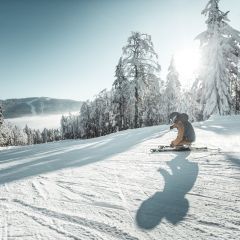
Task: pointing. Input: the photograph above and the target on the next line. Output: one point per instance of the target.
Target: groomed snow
(112, 188)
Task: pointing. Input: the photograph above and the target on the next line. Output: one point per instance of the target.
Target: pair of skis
(163, 148)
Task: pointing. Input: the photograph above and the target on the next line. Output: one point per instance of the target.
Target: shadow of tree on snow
(33, 160)
(234, 158)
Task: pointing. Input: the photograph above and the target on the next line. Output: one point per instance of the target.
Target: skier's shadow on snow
(171, 203)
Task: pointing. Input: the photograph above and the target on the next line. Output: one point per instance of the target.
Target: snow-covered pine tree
(29, 133)
(172, 94)
(153, 113)
(70, 128)
(236, 90)
(19, 136)
(220, 51)
(85, 120)
(107, 123)
(97, 113)
(140, 63)
(101, 112)
(6, 136)
(121, 87)
(37, 137)
(153, 100)
(57, 135)
(63, 123)
(50, 134)
(1, 115)
(45, 135)
(189, 105)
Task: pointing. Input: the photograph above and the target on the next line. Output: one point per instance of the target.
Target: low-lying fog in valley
(39, 122)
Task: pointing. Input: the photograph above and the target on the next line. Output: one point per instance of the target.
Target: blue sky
(69, 48)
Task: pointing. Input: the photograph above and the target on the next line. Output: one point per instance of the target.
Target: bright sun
(187, 62)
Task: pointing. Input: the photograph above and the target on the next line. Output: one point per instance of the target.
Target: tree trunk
(136, 122)
(121, 116)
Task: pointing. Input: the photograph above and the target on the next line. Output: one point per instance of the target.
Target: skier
(186, 133)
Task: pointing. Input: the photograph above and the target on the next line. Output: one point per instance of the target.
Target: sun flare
(187, 62)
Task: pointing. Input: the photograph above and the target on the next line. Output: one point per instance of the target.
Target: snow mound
(220, 132)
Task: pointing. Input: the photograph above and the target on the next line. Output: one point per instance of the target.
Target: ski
(164, 148)
(169, 149)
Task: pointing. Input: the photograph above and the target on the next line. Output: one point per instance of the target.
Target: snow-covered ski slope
(112, 188)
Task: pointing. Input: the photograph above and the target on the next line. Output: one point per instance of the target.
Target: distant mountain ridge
(38, 106)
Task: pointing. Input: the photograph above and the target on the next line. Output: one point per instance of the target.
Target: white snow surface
(112, 187)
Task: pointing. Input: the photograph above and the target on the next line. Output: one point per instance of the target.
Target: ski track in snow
(112, 187)
(33, 109)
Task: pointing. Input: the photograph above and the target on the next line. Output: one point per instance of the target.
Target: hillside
(112, 187)
(14, 108)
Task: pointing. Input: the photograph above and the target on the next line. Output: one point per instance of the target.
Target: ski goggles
(172, 120)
